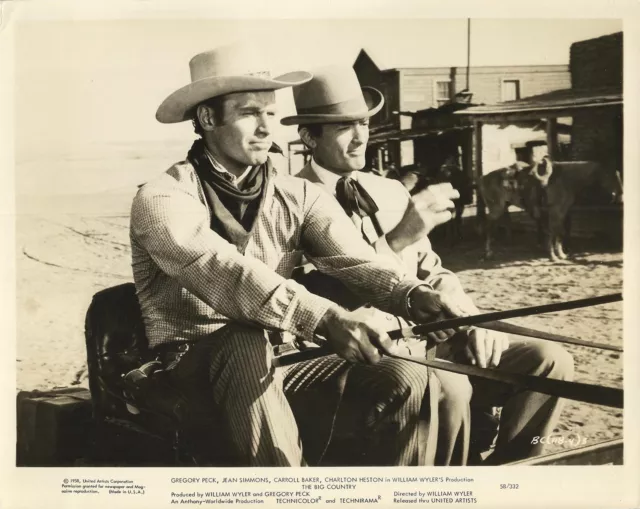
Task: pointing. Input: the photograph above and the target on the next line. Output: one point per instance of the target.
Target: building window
(510, 90)
(441, 92)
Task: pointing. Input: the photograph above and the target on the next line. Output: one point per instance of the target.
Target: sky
(86, 83)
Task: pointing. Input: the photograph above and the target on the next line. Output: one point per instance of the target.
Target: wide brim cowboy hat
(334, 95)
(225, 70)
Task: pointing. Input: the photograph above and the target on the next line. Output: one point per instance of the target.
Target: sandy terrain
(65, 256)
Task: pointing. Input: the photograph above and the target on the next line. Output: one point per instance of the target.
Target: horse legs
(508, 227)
(488, 234)
(558, 248)
(556, 229)
(567, 231)
(492, 219)
(542, 224)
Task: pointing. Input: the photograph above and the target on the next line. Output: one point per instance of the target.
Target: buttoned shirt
(236, 181)
(191, 282)
(329, 181)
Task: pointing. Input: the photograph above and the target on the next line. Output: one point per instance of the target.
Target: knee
(401, 382)
(552, 361)
(409, 379)
(399, 390)
(456, 391)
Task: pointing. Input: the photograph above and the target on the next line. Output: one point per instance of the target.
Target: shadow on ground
(467, 251)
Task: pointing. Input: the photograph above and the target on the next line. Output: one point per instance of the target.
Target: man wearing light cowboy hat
(333, 113)
(214, 240)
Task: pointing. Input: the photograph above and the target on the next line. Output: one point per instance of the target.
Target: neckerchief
(234, 210)
(354, 199)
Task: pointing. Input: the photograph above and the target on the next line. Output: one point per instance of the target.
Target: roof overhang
(559, 103)
(411, 134)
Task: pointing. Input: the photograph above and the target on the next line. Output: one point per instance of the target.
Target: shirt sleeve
(335, 247)
(383, 248)
(430, 269)
(173, 228)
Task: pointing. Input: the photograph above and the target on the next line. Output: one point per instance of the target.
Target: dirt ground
(64, 257)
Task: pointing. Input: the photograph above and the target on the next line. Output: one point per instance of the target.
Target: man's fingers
(372, 344)
(452, 308)
(442, 217)
(438, 206)
(500, 344)
(450, 332)
(444, 190)
(433, 336)
(433, 206)
(495, 346)
(505, 341)
(441, 336)
(351, 355)
(381, 341)
(478, 347)
(371, 355)
(470, 356)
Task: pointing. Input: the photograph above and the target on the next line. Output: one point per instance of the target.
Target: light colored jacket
(419, 259)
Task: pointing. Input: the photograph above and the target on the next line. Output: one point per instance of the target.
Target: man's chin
(357, 163)
(258, 158)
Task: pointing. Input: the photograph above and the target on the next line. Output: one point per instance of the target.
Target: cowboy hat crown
(333, 95)
(224, 70)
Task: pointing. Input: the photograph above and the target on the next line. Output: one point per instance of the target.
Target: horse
(547, 191)
(570, 180)
(502, 188)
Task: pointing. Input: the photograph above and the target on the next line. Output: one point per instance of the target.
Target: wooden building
(412, 93)
(594, 105)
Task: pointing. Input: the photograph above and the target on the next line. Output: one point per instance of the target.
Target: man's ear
(307, 138)
(206, 117)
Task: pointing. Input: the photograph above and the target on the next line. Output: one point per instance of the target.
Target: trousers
(525, 415)
(232, 371)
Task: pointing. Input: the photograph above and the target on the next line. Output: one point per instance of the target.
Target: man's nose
(360, 134)
(264, 124)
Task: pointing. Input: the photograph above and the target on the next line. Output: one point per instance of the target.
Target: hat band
(355, 105)
(260, 74)
(201, 74)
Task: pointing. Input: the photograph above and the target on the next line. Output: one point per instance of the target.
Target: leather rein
(588, 393)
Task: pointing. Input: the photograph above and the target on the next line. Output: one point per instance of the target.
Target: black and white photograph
(388, 249)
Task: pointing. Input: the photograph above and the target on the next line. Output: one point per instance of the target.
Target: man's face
(245, 136)
(341, 147)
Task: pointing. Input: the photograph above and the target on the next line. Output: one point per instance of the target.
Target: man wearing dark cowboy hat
(214, 241)
(332, 114)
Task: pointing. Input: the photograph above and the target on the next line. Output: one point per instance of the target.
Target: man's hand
(485, 347)
(351, 338)
(426, 210)
(429, 305)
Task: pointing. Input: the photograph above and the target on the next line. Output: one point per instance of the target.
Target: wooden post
(552, 138)
(477, 135)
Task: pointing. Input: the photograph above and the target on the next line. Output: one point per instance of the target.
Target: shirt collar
(328, 178)
(221, 169)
